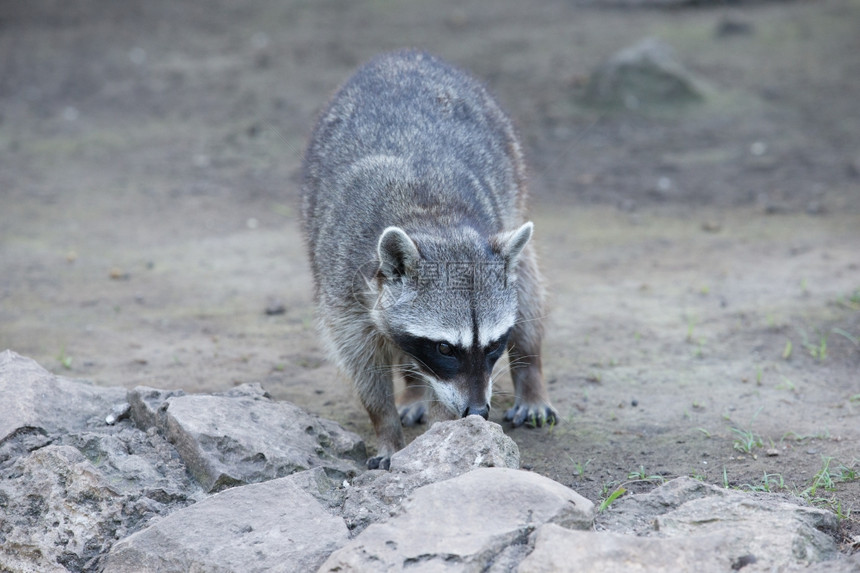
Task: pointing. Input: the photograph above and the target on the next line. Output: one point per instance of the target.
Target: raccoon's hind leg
(412, 404)
(532, 406)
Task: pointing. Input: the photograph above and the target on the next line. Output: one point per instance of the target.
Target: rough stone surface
(70, 484)
(464, 523)
(453, 447)
(773, 530)
(58, 512)
(446, 450)
(245, 437)
(560, 549)
(646, 74)
(271, 526)
(35, 403)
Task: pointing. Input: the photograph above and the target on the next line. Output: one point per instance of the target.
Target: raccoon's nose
(482, 411)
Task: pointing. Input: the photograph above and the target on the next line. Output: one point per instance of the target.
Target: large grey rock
(453, 447)
(70, 484)
(560, 549)
(35, 403)
(646, 74)
(683, 514)
(464, 523)
(446, 450)
(271, 526)
(56, 512)
(245, 437)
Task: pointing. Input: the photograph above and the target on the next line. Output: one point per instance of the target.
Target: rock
(446, 450)
(560, 549)
(271, 526)
(646, 74)
(89, 482)
(57, 512)
(117, 413)
(70, 484)
(774, 530)
(453, 447)
(465, 523)
(35, 402)
(137, 464)
(245, 437)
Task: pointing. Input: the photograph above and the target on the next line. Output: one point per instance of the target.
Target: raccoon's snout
(482, 411)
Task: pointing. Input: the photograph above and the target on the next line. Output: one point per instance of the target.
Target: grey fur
(414, 217)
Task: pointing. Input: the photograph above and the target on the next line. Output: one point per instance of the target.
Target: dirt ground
(703, 263)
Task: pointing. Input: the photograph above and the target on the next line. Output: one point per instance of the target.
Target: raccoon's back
(405, 132)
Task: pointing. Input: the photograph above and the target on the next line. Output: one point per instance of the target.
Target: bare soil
(703, 262)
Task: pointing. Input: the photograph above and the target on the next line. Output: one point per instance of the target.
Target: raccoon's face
(450, 305)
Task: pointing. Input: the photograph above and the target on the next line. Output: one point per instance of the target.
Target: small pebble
(275, 307)
(117, 413)
(118, 274)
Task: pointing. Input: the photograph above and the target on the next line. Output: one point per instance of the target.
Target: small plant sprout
(786, 353)
(847, 336)
(691, 324)
(769, 483)
(705, 432)
(746, 440)
(817, 351)
(64, 359)
(822, 479)
(610, 499)
(642, 475)
(786, 384)
(579, 467)
(848, 473)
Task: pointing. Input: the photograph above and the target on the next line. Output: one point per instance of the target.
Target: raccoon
(413, 208)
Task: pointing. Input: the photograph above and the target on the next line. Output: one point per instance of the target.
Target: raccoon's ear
(510, 244)
(398, 255)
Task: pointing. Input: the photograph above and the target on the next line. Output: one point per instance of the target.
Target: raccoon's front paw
(379, 463)
(532, 415)
(412, 414)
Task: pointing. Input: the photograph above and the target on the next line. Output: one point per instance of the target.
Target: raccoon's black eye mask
(446, 360)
